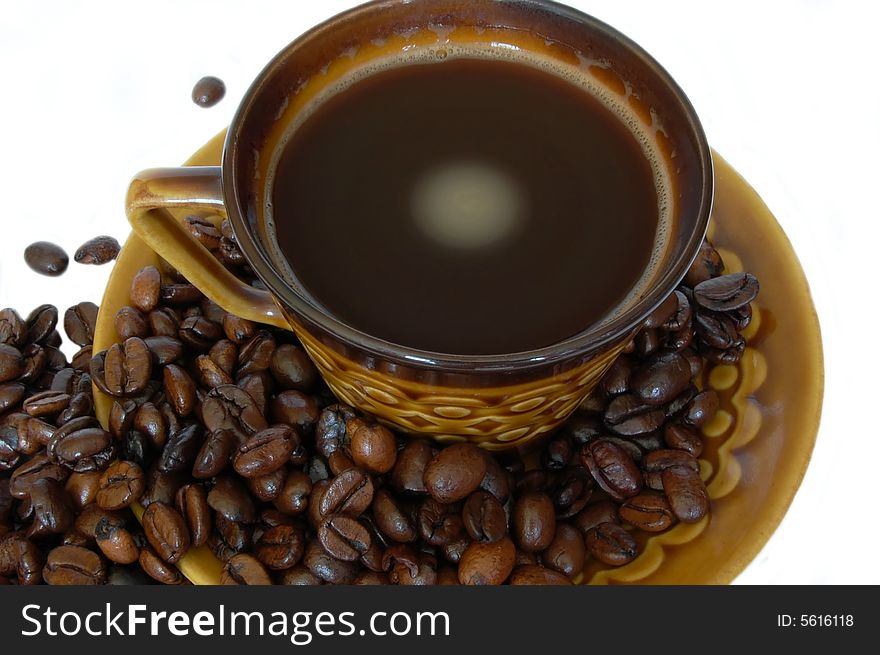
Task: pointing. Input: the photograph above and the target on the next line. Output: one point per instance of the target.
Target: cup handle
(155, 190)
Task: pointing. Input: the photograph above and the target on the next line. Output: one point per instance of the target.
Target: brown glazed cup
(496, 401)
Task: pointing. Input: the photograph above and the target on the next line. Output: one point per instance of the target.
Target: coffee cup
(494, 399)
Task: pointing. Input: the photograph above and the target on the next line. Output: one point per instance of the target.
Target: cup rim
(591, 339)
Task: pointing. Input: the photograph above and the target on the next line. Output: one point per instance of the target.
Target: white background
(90, 93)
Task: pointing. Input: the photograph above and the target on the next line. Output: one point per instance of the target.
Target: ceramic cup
(496, 401)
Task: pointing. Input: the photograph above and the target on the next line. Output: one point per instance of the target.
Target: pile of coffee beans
(224, 432)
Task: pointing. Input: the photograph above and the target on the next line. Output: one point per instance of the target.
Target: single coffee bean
(238, 330)
(533, 574)
(391, 519)
(36, 468)
(267, 487)
(46, 403)
(199, 333)
(120, 485)
(567, 552)
(9, 448)
(41, 324)
(727, 292)
(295, 408)
(224, 354)
(150, 420)
(374, 448)
(454, 473)
(344, 537)
(408, 473)
(79, 446)
(572, 491)
(683, 438)
(11, 362)
(611, 544)
(180, 452)
(717, 331)
(439, 523)
(82, 488)
(204, 231)
(11, 394)
(292, 368)
(117, 544)
(256, 354)
(661, 378)
(708, 264)
(497, 481)
(266, 451)
(244, 569)
(80, 405)
(51, 509)
(534, 521)
(454, 550)
(300, 576)
(228, 406)
(160, 486)
(209, 373)
(647, 511)
(179, 389)
(665, 310)
(686, 493)
(326, 567)
(97, 251)
(166, 531)
(214, 454)
(487, 563)
(192, 503)
(230, 498)
(646, 342)
(484, 518)
(612, 468)
(293, 498)
(163, 322)
(701, 409)
(127, 367)
(208, 91)
(86, 524)
(557, 453)
(158, 569)
(74, 565)
(405, 566)
(281, 547)
(79, 323)
(350, 492)
(235, 537)
(13, 329)
(46, 258)
(145, 288)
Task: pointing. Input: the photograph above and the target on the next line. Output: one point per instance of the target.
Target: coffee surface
(469, 206)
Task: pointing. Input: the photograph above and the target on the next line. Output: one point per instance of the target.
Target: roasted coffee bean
(13, 329)
(391, 519)
(80, 405)
(267, 487)
(81, 447)
(742, 317)
(454, 550)
(238, 330)
(281, 547)
(126, 368)
(9, 448)
(86, 524)
(266, 451)
(656, 461)
(727, 292)
(487, 563)
(46, 403)
(82, 488)
(681, 437)
(439, 523)
(701, 409)
(97, 251)
(730, 355)
(210, 375)
(611, 544)
(533, 574)
(166, 531)
(534, 521)
(661, 378)
(79, 323)
(230, 498)
(567, 552)
(178, 295)
(295, 408)
(454, 473)
(716, 331)
(497, 481)
(612, 468)
(708, 264)
(244, 569)
(11, 394)
(405, 566)
(237, 537)
(293, 499)
(136, 447)
(299, 575)
(648, 511)
(292, 368)
(164, 349)
(344, 537)
(628, 415)
(55, 360)
(11, 362)
(41, 324)
(35, 363)
(484, 518)
(207, 92)
(152, 422)
(230, 253)
(326, 567)
(256, 354)
(38, 467)
(204, 231)
(179, 389)
(228, 406)
(81, 361)
(681, 317)
(224, 354)
(46, 258)
(117, 544)
(145, 288)
(350, 492)
(129, 322)
(331, 431)
(557, 453)
(159, 570)
(161, 486)
(408, 473)
(572, 491)
(51, 509)
(73, 565)
(192, 503)
(120, 485)
(374, 448)
(215, 453)
(686, 493)
(163, 322)
(664, 311)
(180, 451)
(646, 342)
(199, 333)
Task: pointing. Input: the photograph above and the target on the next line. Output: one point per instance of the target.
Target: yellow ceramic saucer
(757, 448)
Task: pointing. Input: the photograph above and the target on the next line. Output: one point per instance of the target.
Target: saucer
(756, 448)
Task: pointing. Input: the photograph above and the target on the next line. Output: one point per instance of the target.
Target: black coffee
(469, 206)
